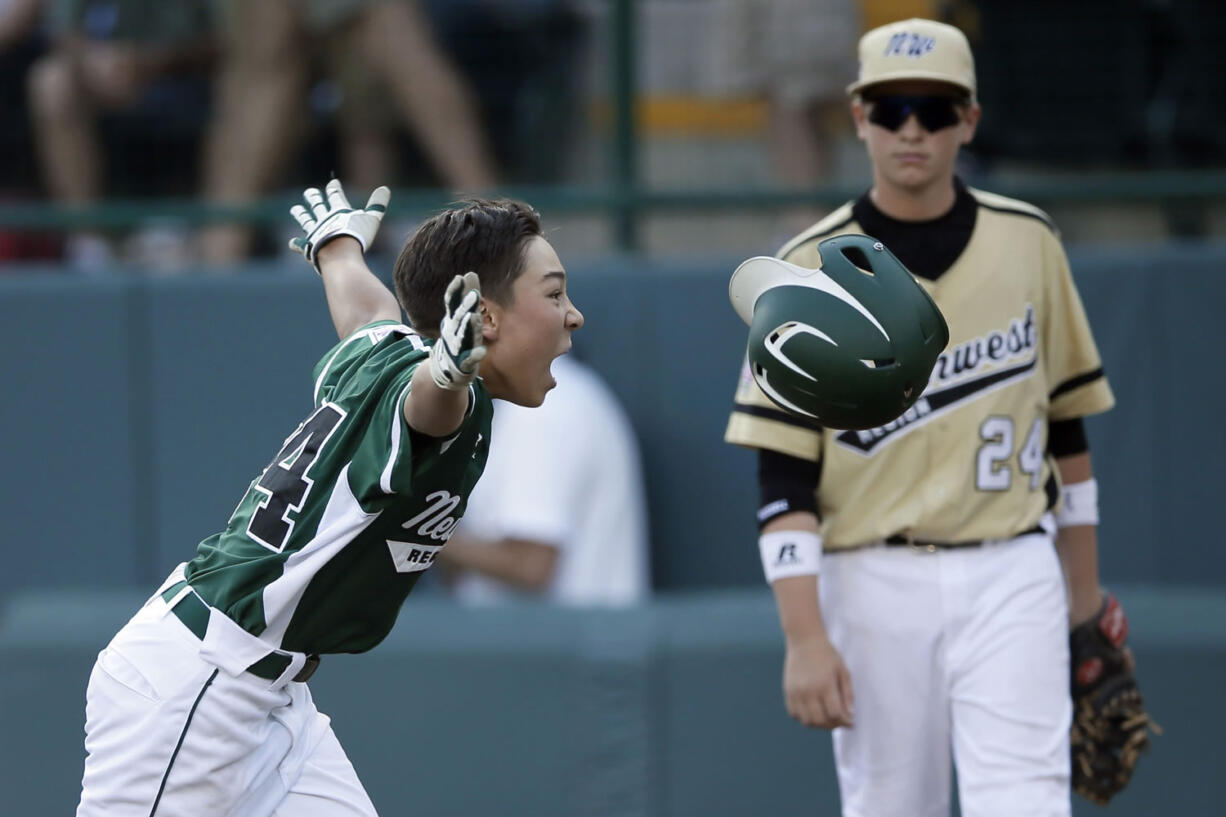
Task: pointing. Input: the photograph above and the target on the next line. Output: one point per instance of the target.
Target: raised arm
(337, 236)
(355, 296)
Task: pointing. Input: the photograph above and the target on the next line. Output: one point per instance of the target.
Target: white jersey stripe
(385, 478)
(343, 519)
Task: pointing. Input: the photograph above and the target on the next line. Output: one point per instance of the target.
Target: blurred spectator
(261, 108)
(525, 62)
(560, 512)
(21, 43)
(17, 20)
(799, 55)
(109, 56)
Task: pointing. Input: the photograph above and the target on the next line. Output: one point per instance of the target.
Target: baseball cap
(915, 49)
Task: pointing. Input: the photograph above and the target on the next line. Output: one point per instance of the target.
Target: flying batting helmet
(851, 344)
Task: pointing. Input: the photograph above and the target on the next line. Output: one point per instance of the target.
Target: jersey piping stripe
(996, 208)
(1076, 382)
(324, 372)
(182, 735)
(805, 238)
(779, 416)
(385, 479)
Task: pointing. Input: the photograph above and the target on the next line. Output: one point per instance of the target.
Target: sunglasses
(933, 112)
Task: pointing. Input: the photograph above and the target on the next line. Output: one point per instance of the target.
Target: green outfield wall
(137, 409)
(672, 709)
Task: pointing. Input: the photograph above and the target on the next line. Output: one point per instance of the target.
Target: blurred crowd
(229, 102)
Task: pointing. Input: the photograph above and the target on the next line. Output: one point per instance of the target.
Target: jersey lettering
(285, 483)
(412, 557)
(436, 521)
(962, 374)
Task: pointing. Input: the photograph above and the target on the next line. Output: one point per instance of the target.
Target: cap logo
(907, 44)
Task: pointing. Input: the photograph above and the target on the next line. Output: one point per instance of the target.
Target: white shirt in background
(565, 474)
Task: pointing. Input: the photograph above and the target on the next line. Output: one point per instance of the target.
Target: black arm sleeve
(1066, 438)
(786, 484)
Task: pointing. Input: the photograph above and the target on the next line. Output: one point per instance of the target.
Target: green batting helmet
(851, 344)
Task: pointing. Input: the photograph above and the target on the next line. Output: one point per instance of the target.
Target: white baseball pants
(959, 650)
(170, 735)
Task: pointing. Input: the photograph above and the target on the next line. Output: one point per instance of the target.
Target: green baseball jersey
(969, 460)
(328, 541)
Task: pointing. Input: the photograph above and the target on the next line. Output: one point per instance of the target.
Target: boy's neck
(923, 204)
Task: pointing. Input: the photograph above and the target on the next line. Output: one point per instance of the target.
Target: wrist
(1078, 504)
(338, 248)
(810, 638)
(788, 553)
(1084, 605)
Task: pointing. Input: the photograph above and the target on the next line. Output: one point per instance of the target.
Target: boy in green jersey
(199, 705)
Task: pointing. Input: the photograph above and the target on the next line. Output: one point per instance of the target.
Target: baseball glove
(1110, 725)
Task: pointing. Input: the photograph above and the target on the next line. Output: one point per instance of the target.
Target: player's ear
(859, 117)
(491, 319)
(970, 121)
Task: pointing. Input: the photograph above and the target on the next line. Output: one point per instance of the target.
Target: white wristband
(1078, 504)
(790, 553)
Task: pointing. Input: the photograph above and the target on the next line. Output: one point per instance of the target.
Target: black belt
(931, 546)
(194, 614)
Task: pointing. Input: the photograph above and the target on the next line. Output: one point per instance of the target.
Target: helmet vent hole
(780, 331)
(856, 256)
(880, 363)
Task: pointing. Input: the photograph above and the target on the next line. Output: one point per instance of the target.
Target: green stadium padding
(140, 407)
(672, 709)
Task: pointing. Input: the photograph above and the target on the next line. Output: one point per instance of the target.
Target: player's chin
(912, 173)
(533, 395)
(548, 384)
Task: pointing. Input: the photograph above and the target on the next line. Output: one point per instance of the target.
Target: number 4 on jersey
(285, 483)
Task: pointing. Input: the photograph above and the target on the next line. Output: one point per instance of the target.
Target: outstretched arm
(355, 296)
(337, 235)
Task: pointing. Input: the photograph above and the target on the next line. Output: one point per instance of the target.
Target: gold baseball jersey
(969, 460)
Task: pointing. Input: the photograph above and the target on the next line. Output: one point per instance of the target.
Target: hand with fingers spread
(324, 220)
(460, 348)
(817, 685)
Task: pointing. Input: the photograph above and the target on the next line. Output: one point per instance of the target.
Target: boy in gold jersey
(937, 622)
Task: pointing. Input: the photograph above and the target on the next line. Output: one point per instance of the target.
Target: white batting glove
(324, 221)
(460, 347)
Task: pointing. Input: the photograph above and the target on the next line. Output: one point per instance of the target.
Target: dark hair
(480, 235)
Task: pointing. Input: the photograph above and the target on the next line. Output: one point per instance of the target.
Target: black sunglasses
(933, 112)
